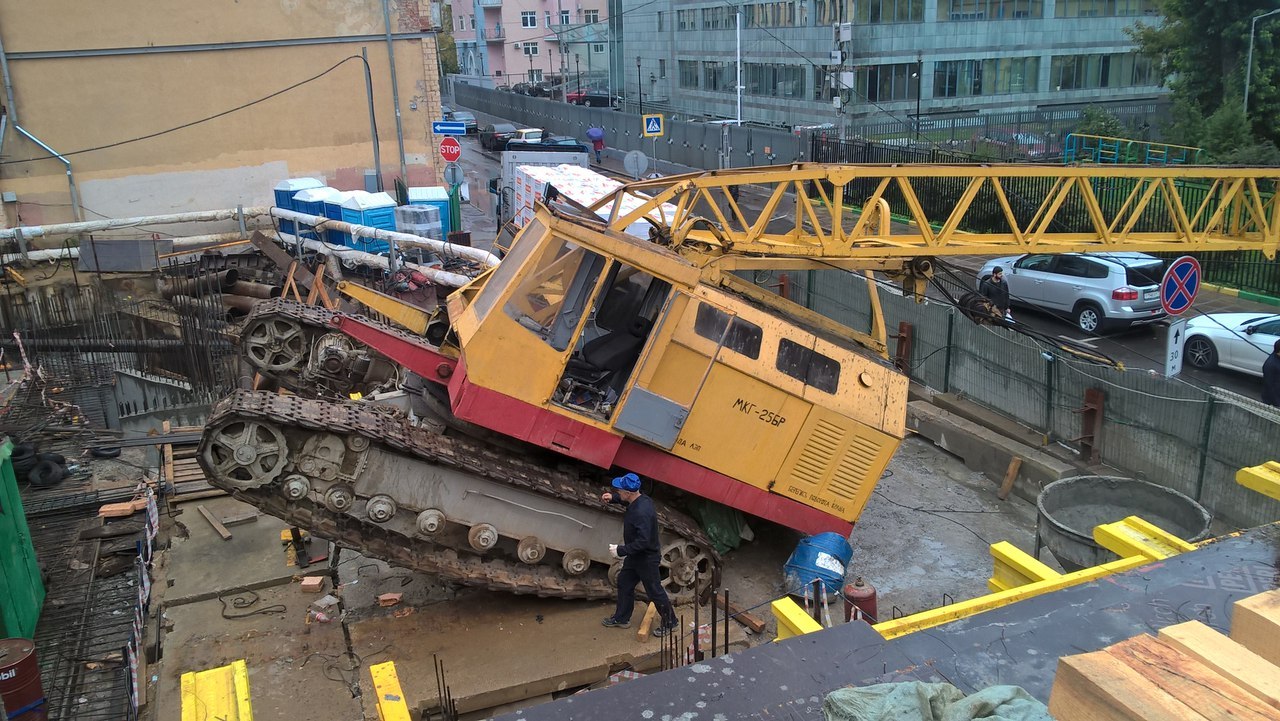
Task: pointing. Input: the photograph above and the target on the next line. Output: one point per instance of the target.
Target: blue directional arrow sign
(448, 127)
(653, 126)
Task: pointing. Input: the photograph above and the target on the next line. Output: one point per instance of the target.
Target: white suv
(1097, 291)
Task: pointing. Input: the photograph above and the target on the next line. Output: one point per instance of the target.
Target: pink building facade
(530, 40)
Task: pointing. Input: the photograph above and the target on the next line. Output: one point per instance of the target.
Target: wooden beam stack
(1189, 673)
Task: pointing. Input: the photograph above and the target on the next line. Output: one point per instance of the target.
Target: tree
(448, 47)
(1200, 49)
(1100, 121)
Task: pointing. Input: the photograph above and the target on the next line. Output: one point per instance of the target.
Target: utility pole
(373, 125)
(1248, 66)
(919, 79)
(639, 86)
(737, 15)
(395, 93)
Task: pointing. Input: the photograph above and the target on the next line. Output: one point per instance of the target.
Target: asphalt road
(1138, 347)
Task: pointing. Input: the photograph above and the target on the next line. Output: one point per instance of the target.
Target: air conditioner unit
(519, 46)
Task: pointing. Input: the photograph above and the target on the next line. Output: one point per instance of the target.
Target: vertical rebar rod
(697, 647)
(726, 620)
(713, 624)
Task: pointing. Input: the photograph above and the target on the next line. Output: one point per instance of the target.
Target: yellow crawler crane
(651, 355)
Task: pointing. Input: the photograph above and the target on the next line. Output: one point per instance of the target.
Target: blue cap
(629, 482)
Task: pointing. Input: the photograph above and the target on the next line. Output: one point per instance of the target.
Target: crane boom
(1010, 208)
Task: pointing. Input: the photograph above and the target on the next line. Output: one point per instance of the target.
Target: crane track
(397, 434)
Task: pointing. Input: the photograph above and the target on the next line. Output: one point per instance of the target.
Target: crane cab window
(738, 335)
(807, 365)
(551, 300)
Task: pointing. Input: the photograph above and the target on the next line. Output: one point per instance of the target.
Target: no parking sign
(1180, 284)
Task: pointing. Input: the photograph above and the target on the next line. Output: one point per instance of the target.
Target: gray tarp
(919, 701)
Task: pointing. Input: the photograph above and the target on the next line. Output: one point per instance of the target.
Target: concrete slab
(296, 670)
(500, 649)
(985, 450)
(202, 565)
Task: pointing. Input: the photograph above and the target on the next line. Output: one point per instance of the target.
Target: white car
(1239, 341)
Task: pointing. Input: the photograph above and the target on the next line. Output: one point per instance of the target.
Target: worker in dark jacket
(996, 289)
(640, 553)
(1271, 378)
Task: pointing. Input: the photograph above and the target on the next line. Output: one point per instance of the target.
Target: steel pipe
(95, 226)
(483, 257)
(199, 285)
(254, 290)
(243, 304)
(351, 258)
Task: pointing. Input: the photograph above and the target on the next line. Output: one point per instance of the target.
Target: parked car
(594, 99)
(495, 137)
(561, 140)
(521, 88)
(1029, 145)
(575, 97)
(1239, 341)
(1096, 291)
(467, 119)
(446, 112)
(526, 135)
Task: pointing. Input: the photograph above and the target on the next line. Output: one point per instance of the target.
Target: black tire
(55, 457)
(1200, 352)
(22, 452)
(112, 452)
(46, 474)
(1089, 318)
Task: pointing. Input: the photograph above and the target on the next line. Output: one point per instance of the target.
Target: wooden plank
(650, 613)
(290, 284)
(213, 521)
(314, 295)
(238, 518)
(1098, 687)
(166, 453)
(1010, 475)
(740, 615)
(198, 495)
(279, 256)
(1211, 694)
(1255, 624)
(1244, 667)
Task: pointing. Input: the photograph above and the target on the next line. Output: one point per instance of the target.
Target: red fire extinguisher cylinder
(860, 595)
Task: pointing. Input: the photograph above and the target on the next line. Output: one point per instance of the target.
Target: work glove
(613, 550)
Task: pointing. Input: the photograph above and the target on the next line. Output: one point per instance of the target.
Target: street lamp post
(529, 55)
(577, 71)
(919, 79)
(1248, 65)
(639, 86)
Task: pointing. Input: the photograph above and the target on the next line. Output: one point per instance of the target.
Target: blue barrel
(822, 557)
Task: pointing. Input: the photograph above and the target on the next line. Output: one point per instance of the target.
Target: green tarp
(919, 701)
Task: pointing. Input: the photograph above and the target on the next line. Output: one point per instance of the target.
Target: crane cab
(618, 351)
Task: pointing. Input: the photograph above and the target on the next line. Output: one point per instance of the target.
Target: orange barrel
(862, 596)
(19, 677)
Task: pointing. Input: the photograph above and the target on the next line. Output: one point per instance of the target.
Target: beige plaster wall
(319, 129)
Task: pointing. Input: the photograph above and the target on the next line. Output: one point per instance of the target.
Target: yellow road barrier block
(386, 684)
(1264, 479)
(1136, 537)
(1012, 567)
(792, 620)
(220, 693)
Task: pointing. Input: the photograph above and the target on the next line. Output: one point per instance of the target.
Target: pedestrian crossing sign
(653, 126)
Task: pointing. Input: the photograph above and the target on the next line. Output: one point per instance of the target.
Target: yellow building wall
(319, 129)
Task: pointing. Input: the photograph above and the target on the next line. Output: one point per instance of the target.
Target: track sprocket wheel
(687, 571)
(274, 344)
(246, 454)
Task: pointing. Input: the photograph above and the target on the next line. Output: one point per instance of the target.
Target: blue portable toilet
(333, 211)
(376, 210)
(311, 202)
(433, 195)
(285, 190)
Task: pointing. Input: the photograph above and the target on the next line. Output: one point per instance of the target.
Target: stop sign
(450, 150)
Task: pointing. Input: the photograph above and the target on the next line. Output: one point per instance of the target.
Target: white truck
(549, 156)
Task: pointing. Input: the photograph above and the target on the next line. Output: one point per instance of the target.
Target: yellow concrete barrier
(792, 620)
(219, 693)
(1264, 479)
(386, 684)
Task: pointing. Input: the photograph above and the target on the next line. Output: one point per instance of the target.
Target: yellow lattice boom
(1035, 208)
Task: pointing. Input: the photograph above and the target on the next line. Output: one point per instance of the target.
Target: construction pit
(221, 601)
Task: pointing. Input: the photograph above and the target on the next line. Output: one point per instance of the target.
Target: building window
(686, 20)
(659, 21)
(771, 80)
(535, 75)
(830, 12)
(548, 18)
(807, 365)
(662, 68)
(715, 76)
(770, 15)
(473, 22)
(715, 18)
(875, 12)
(529, 20)
(995, 76)
(1117, 70)
(530, 48)
(564, 17)
(879, 83)
(497, 73)
(590, 17)
(688, 73)
(1104, 8)
(990, 9)
(597, 47)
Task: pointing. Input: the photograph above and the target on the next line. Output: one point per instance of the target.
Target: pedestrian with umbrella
(596, 136)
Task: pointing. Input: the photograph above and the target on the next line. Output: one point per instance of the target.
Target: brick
(312, 584)
(389, 599)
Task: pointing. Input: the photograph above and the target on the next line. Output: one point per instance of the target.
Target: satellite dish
(636, 162)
